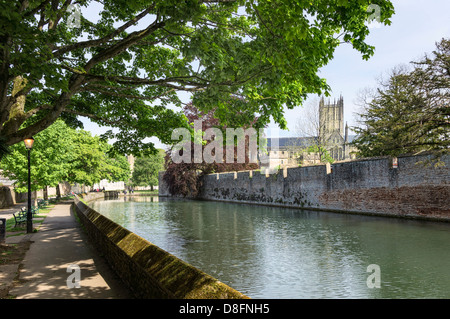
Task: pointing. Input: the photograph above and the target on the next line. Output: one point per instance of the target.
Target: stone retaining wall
(405, 187)
(149, 271)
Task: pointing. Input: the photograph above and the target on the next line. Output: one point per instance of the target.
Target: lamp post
(28, 145)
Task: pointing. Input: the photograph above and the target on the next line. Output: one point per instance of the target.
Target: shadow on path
(60, 243)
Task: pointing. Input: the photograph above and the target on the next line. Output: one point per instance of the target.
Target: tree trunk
(45, 192)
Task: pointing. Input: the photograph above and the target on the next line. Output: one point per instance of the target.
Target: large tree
(50, 159)
(146, 169)
(210, 149)
(91, 162)
(410, 111)
(125, 68)
(63, 154)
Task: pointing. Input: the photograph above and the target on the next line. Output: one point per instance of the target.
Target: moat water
(281, 253)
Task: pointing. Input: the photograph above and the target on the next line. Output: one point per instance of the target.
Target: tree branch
(123, 44)
(92, 43)
(264, 23)
(92, 116)
(37, 9)
(129, 96)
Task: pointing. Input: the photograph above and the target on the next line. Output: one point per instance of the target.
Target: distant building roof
(296, 141)
(290, 141)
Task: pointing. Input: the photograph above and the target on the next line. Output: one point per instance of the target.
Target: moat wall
(149, 271)
(371, 186)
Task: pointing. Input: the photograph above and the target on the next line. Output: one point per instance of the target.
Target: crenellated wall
(370, 186)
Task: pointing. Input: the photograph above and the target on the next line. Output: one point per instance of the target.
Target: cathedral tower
(333, 135)
(331, 118)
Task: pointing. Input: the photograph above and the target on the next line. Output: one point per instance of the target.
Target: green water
(269, 252)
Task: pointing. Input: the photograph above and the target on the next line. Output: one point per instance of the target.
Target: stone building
(332, 135)
(332, 131)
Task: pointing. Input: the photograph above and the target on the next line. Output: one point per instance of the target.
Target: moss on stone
(151, 271)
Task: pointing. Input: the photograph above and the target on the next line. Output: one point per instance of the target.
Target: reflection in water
(270, 252)
(137, 198)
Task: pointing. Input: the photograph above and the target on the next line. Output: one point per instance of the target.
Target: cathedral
(331, 129)
(332, 135)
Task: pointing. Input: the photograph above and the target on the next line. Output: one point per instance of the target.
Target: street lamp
(28, 145)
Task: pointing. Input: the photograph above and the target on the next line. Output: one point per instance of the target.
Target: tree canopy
(409, 112)
(61, 154)
(127, 68)
(50, 159)
(146, 169)
(201, 154)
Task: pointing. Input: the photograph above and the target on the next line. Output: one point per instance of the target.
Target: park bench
(34, 210)
(42, 203)
(20, 218)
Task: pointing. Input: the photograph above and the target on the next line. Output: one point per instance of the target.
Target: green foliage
(61, 153)
(146, 169)
(91, 163)
(244, 58)
(409, 112)
(4, 149)
(49, 156)
(325, 157)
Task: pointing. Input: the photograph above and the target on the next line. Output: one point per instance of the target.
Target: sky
(416, 27)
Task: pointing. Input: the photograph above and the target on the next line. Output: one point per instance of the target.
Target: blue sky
(416, 26)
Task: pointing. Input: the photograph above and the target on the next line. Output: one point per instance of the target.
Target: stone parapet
(149, 271)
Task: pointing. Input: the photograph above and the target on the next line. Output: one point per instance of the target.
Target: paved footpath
(60, 243)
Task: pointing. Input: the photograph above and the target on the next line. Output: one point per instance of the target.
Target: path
(59, 243)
